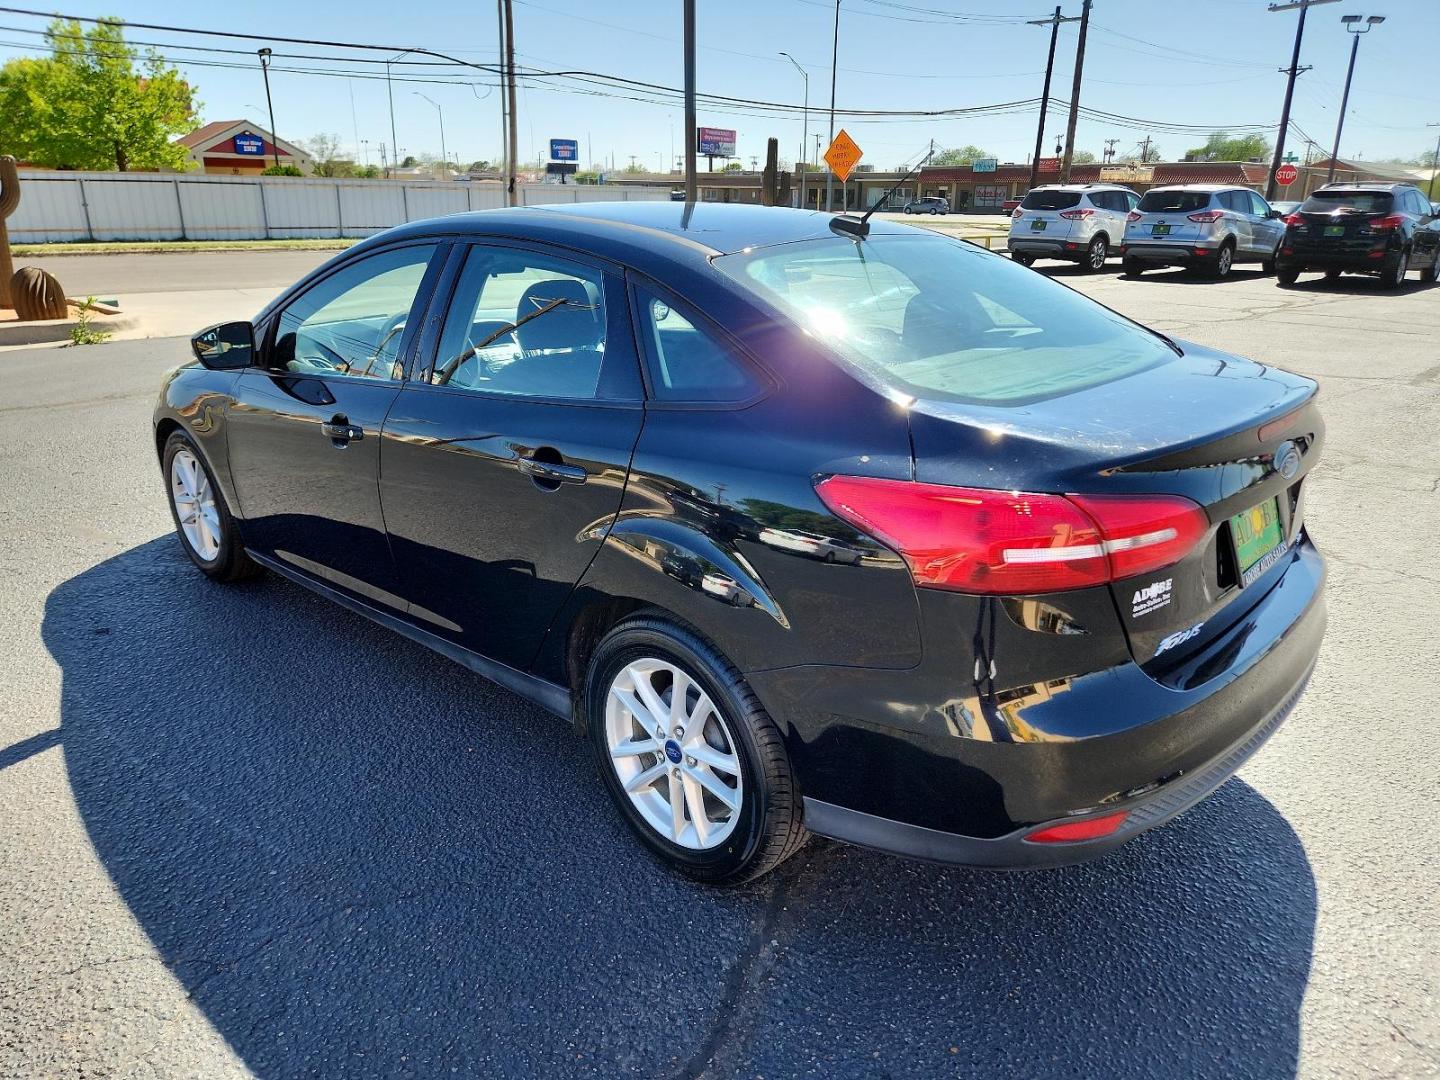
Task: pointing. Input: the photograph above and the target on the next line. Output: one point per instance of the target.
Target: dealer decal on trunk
(1151, 598)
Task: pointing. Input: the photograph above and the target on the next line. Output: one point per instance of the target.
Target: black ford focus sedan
(808, 526)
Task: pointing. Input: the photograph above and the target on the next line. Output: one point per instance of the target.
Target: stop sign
(1286, 175)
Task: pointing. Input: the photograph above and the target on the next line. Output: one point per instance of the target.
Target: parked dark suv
(1384, 229)
(808, 526)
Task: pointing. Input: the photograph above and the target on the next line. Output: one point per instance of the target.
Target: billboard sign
(715, 142)
(1128, 174)
(984, 164)
(249, 145)
(564, 150)
(1048, 164)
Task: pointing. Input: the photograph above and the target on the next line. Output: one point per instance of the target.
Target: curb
(47, 330)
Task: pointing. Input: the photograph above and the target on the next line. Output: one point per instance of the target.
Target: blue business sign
(250, 145)
(564, 150)
(984, 164)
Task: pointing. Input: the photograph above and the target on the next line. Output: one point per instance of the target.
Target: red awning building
(988, 191)
(240, 148)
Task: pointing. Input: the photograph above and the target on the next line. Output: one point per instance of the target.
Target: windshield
(1360, 202)
(1050, 200)
(1173, 201)
(941, 319)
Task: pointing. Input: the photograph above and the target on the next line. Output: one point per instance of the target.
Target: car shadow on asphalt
(1177, 275)
(360, 859)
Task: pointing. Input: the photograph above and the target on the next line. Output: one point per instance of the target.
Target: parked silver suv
(1208, 227)
(1081, 223)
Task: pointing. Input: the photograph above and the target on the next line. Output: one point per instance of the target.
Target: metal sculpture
(9, 200)
(37, 295)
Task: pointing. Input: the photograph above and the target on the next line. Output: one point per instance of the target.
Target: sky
(1207, 63)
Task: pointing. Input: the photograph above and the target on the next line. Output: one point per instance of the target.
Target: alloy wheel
(195, 508)
(674, 754)
(1223, 260)
(1401, 269)
(1098, 253)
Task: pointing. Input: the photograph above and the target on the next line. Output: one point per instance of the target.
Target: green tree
(281, 170)
(93, 103)
(959, 155)
(325, 156)
(1083, 157)
(1221, 147)
(480, 166)
(410, 162)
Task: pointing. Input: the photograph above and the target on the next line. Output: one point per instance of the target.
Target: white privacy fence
(59, 206)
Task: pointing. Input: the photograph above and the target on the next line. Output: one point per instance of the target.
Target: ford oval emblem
(1287, 459)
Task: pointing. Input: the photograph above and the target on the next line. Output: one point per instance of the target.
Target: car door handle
(341, 430)
(551, 471)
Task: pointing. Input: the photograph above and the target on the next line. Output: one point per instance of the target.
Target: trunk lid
(1191, 427)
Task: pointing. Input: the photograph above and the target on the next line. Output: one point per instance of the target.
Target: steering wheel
(331, 359)
(393, 325)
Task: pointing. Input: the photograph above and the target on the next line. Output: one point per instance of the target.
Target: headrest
(576, 324)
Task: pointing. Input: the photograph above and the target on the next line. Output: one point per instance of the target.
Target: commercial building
(240, 148)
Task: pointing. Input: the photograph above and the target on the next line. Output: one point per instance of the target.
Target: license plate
(1038, 225)
(1334, 230)
(1258, 540)
(1159, 230)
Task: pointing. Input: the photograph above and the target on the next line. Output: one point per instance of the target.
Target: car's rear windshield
(1173, 201)
(1041, 199)
(1361, 202)
(937, 318)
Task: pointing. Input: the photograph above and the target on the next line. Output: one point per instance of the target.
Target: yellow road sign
(842, 157)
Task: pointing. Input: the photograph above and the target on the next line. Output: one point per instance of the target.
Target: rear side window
(1042, 199)
(688, 362)
(1363, 202)
(1173, 201)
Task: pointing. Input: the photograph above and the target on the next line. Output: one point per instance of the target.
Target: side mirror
(225, 346)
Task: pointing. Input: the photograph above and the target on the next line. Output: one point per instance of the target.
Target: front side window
(937, 318)
(1258, 206)
(687, 362)
(523, 323)
(353, 322)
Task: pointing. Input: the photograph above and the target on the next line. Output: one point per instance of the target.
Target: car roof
(1368, 185)
(1199, 187)
(1080, 187)
(659, 226)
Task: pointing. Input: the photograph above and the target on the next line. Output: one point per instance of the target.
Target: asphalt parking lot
(245, 832)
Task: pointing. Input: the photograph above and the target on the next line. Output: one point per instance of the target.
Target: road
(245, 832)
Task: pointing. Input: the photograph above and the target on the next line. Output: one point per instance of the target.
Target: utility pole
(1292, 71)
(692, 182)
(1145, 149)
(504, 98)
(1110, 149)
(1075, 94)
(834, 60)
(1351, 22)
(1434, 161)
(1054, 23)
(513, 155)
(264, 55)
(804, 125)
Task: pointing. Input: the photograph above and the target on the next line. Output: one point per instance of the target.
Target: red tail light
(1385, 224)
(1017, 214)
(1089, 829)
(978, 540)
(1134, 215)
(1293, 219)
(1076, 215)
(1206, 216)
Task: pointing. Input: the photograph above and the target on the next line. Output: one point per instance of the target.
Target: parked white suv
(1209, 227)
(1081, 223)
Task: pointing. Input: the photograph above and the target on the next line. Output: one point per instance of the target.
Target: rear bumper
(1048, 247)
(923, 763)
(1173, 252)
(1374, 262)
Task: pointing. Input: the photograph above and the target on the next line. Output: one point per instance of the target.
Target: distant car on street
(1079, 223)
(931, 204)
(1383, 229)
(1206, 227)
(1009, 205)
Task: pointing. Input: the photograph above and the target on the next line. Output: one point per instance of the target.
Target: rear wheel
(693, 762)
(1394, 277)
(1132, 267)
(1022, 259)
(202, 519)
(1224, 259)
(1434, 275)
(1333, 275)
(1096, 254)
(1287, 275)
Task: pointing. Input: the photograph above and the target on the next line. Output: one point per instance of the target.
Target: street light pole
(390, 93)
(834, 60)
(1292, 71)
(1434, 162)
(444, 157)
(804, 124)
(264, 55)
(692, 182)
(1054, 23)
(1351, 22)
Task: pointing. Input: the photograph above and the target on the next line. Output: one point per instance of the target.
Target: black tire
(1333, 275)
(1132, 267)
(1394, 276)
(1434, 276)
(1096, 252)
(1268, 266)
(230, 562)
(1220, 266)
(770, 828)
(1287, 275)
(1022, 259)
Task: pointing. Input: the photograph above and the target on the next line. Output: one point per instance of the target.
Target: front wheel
(202, 519)
(1132, 267)
(1434, 276)
(1096, 254)
(1287, 275)
(690, 757)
